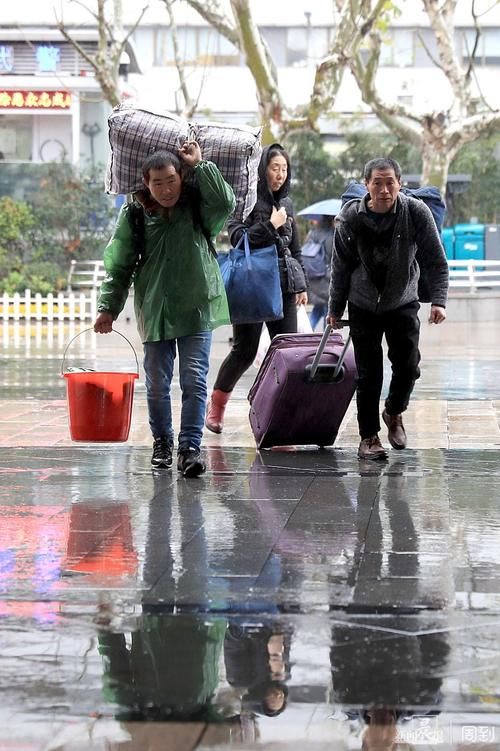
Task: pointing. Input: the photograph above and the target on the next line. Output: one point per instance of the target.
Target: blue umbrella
(330, 207)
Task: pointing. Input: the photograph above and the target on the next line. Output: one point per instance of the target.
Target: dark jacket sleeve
(260, 233)
(430, 252)
(343, 263)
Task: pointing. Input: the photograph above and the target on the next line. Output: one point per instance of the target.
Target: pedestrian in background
(179, 295)
(317, 258)
(271, 221)
(374, 269)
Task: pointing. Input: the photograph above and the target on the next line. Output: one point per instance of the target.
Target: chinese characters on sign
(478, 734)
(60, 100)
(6, 58)
(47, 58)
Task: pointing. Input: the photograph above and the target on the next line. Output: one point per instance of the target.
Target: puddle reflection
(32, 355)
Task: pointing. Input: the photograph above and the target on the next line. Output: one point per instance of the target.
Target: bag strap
(246, 247)
(136, 221)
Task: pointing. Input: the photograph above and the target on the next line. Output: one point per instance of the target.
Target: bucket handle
(114, 331)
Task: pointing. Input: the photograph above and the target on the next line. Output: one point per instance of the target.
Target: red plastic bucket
(99, 402)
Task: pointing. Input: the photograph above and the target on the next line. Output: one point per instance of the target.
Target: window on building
(487, 50)
(275, 39)
(197, 46)
(425, 48)
(318, 43)
(16, 136)
(296, 45)
(491, 40)
(397, 48)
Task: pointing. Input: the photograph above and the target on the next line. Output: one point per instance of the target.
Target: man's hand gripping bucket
(99, 403)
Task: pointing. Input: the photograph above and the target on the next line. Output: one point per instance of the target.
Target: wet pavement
(293, 599)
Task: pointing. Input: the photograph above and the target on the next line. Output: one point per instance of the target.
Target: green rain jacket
(178, 288)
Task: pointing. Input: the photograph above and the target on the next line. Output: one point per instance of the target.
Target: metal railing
(65, 306)
(470, 275)
(473, 274)
(86, 274)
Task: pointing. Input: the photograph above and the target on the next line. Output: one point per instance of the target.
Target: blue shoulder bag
(252, 282)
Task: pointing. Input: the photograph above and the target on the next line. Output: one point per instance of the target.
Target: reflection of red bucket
(100, 405)
(100, 539)
(99, 402)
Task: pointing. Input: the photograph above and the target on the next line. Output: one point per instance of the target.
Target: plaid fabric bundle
(135, 133)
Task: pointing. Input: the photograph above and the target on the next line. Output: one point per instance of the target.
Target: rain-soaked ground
(285, 600)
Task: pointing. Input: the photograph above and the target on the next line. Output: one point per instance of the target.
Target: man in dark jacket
(374, 269)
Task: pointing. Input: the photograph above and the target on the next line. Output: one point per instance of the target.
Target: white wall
(51, 134)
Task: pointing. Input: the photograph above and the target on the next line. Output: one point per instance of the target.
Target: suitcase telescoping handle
(333, 376)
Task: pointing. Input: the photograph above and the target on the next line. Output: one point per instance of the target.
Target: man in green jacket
(179, 295)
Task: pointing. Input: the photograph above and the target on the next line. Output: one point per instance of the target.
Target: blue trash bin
(448, 238)
(469, 241)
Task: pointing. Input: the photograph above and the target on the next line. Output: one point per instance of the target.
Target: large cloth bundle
(135, 133)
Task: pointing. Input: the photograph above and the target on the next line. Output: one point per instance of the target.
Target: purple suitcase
(302, 390)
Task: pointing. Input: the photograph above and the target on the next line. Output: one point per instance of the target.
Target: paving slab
(288, 599)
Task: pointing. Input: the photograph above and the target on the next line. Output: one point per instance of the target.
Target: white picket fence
(467, 275)
(471, 275)
(65, 306)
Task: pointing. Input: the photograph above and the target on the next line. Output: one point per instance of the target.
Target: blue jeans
(194, 354)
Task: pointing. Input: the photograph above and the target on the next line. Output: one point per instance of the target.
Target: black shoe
(189, 462)
(162, 453)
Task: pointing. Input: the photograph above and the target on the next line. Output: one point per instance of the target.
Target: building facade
(51, 106)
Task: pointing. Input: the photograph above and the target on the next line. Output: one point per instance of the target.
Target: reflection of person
(256, 657)
(168, 669)
(382, 676)
(387, 669)
(271, 221)
(374, 268)
(179, 296)
(321, 234)
(168, 672)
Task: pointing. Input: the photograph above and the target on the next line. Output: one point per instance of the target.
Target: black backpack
(314, 259)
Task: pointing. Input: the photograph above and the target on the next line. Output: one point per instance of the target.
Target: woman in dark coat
(271, 221)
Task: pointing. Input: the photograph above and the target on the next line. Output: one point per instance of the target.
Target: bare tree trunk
(111, 44)
(189, 102)
(440, 135)
(268, 96)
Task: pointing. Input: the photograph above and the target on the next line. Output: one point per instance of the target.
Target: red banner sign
(39, 100)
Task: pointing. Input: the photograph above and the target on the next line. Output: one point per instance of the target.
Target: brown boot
(396, 434)
(215, 410)
(371, 448)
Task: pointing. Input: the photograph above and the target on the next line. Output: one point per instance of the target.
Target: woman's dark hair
(276, 150)
(160, 159)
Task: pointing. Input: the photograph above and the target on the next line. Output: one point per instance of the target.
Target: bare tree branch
(213, 14)
(189, 104)
(259, 63)
(440, 135)
(441, 13)
(110, 46)
(355, 22)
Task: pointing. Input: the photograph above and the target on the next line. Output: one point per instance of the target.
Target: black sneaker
(162, 453)
(189, 462)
